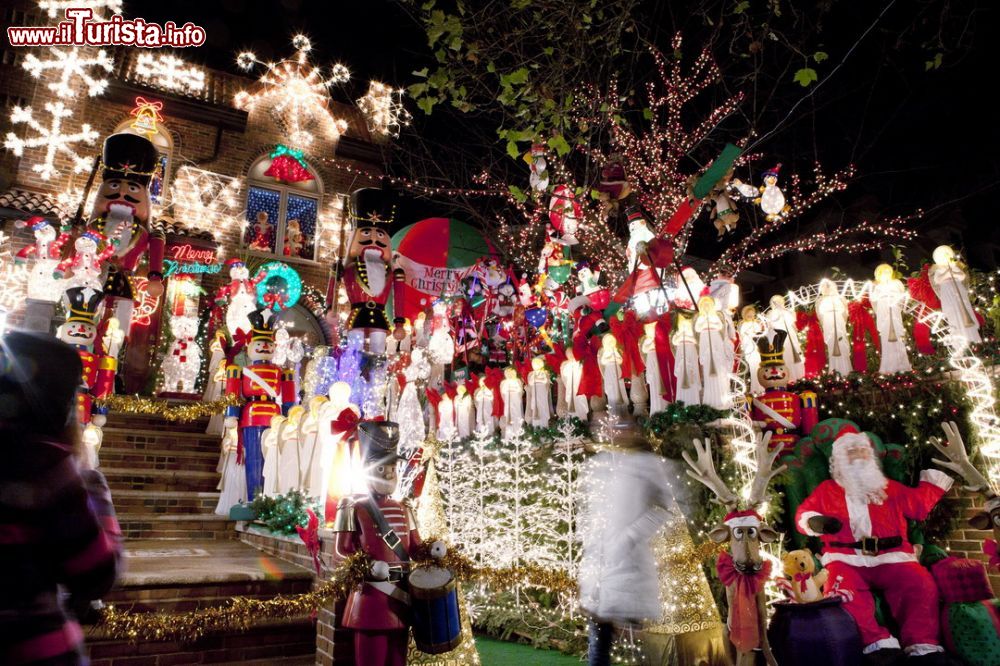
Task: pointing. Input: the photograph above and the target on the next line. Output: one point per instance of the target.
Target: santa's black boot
(884, 657)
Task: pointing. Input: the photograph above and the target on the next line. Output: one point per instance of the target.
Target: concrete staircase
(180, 556)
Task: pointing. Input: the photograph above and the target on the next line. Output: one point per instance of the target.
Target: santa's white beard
(376, 271)
(862, 480)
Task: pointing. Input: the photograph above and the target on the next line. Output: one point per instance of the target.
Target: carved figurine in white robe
(951, 284)
(831, 308)
(421, 332)
(751, 328)
(409, 413)
(571, 373)
(654, 382)
(269, 444)
(401, 342)
(714, 354)
(289, 455)
(638, 393)
(310, 473)
(686, 363)
(512, 392)
(333, 450)
(233, 484)
(888, 296)
(446, 418)
(441, 350)
(485, 421)
(780, 318)
(215, 384)
(609, 360)
(465, 417)
(539, 394)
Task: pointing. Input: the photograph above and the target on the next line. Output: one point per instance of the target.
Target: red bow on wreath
(346, 424)
(275, 300)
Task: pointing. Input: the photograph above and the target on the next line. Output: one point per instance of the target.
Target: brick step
(205, 461)
(176, 526)
(162, 502)
(137, 478)
(150, 422)
(287, 643)
(163, 439)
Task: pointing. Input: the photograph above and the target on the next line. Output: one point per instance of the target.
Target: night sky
(919, 138)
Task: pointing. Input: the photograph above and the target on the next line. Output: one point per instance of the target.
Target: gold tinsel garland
(240, 613)
(136, 404)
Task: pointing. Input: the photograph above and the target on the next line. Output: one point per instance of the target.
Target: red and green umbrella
(436, 254)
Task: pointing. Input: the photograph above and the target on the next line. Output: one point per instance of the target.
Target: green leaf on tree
(741, 6)
(422, 73)
(935, 63)
(426, 104)
(820, 56)
(805, 77)
(558, 143)
(513, 150)
(517, 193)
(647, 113)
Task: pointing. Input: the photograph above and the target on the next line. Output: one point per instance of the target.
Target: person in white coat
(626, 496)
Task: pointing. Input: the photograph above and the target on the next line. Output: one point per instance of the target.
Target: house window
(282, 216)
(159, 184)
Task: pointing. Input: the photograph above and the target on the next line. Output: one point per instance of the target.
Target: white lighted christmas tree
(51, 138)
(68, 65)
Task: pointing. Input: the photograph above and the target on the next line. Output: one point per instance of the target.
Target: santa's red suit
(884, 558)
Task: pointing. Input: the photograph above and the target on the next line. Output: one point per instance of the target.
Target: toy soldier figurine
(80, 331)
(778, 410)
(385, 529)
(367, 271)
(121, 212)
(268, 390)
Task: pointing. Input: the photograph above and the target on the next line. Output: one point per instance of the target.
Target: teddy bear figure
(806, 584)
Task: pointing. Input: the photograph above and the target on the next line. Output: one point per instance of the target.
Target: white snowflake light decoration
(207, 201)
(56, 8)
(296, 94)
(51, 138)
(71, 64)
(383, 108)
(168, 72)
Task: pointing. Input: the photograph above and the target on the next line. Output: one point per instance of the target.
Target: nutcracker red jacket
(57, 528)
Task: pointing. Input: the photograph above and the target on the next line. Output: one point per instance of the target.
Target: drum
(434, 601)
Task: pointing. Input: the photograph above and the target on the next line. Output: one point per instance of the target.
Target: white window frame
(283, 189)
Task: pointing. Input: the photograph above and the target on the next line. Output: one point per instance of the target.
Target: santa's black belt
(871, 545)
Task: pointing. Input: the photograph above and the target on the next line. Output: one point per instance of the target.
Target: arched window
(159, 185)
(282, 216)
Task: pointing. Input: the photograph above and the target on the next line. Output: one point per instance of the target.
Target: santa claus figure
(367, 274)
(80, 330)
(860, 515)
(386, 530)
(121, 212)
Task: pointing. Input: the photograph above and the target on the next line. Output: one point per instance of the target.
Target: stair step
(176, 526)
(287, 642)
(164, 502)
(137, 478)
(205, 461)
(150, 422)
(183, 598)
(164, 438)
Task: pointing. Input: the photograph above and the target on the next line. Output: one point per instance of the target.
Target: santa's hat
(850, 438)
(747, 518)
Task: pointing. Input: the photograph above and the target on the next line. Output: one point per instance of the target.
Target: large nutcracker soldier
(787, 415)
(367, 271)
(80, 331)
(268, 391)
(121, 212)
(386, 530)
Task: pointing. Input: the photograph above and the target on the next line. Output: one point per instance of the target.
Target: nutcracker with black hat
(267, 390)
(367, 272)
(384, 528)
(121, 212)
(779, 411)
(83, 305)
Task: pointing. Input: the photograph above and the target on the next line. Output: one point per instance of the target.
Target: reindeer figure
(742, 570)
(959, 463)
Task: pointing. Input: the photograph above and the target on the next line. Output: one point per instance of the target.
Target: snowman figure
(239, 297)
(539, 178)
(183, 360)
(46, 251)
(85, 266)
(772, 200)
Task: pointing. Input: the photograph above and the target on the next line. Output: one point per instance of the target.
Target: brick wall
(966, 541)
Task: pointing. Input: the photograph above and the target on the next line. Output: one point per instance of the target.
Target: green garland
(670, 431)
(283, 513)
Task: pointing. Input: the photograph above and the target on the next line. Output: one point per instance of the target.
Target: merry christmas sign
(436, 254)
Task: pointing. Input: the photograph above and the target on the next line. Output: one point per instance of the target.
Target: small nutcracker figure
(367, 272)
(385, 529)
(268, 390)
(121, 212)
(80, 330)
(778, 410)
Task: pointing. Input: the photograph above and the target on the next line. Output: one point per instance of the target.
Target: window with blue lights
(282, 217)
